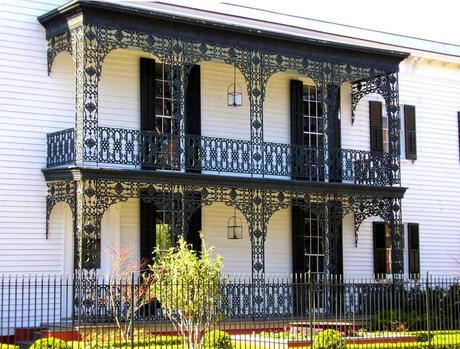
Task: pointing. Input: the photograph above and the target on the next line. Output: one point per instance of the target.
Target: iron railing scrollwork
(60, 148)
(151, 150)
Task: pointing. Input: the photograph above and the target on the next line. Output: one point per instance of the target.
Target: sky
(437, 20)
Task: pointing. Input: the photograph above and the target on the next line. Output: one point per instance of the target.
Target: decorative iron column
(87, 228)
(397, 238)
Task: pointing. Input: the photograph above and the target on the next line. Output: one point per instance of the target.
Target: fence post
(132, 310)
(428, 310)
(310, 306)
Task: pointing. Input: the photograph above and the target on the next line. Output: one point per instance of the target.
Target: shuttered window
(414, 248)
(148, 232)
(458, 117)
(192, 122)
(382, 249)
(410, 132)
(376, 130)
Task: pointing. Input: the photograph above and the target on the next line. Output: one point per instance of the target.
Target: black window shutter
(147, 80)
(193, 235)
(335, 227)
(147, 77)
(335, 164)
(193, 119)
(414, 248)
(375, 115)
(378, 229)
(148, 231)
(298, 248)
(410, 132)
(296, 111)
(296, 88)
(458, 122)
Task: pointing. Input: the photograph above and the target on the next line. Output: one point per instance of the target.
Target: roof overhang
(150, 20)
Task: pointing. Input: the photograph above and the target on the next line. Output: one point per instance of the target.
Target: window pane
(158, 106)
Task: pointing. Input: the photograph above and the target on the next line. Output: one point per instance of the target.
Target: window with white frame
(312, 117)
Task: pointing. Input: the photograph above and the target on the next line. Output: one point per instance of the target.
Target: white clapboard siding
(32, 104)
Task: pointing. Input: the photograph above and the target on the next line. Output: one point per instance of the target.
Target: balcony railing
(222, 155)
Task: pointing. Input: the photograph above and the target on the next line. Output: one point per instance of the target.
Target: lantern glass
(234, 228)
(234, 96)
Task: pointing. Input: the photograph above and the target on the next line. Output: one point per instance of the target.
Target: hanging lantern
(234, 93)
(234, 227)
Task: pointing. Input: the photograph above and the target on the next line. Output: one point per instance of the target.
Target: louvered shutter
(147, 82)
(414, 248)
(335, 227)
(375, 115)
(335, 161)
(410, 132)
(458, 124)
(193, 120)
(148, 231)
(298, 244)
(193, 235)
(379, 248)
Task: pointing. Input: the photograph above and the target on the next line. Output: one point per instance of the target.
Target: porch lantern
(234, 93)
(234, 227)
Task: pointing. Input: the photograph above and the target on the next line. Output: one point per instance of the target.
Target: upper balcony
(90, 31)
(213, 155)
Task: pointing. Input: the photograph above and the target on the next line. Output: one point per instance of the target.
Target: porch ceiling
(150, 20)
(159, 177)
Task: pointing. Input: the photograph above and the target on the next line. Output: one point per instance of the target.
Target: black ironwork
(94, 196)
(60, 148)
(360, 306)
(222, 155)
(90, 40)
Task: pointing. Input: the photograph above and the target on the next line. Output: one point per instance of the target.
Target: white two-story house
(291, 149)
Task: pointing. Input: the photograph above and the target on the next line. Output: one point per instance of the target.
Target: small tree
(125, 296)
(188, 289)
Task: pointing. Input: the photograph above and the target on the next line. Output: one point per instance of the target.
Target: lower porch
(260, 226)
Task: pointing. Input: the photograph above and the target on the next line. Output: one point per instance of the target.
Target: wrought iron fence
(222, 155)
(283, 311)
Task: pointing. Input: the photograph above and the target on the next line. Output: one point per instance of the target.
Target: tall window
(382, 248)
(380, 141)
(163, 98)
(312, 118)
(163, 230)
(167, 145)
(313, 243)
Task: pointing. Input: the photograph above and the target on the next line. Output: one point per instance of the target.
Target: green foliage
(329, 339)
(8, 346)
(423, 336)
(49, 343)
(396, 321)
(217, 340)
(439, 341)
(187, 286)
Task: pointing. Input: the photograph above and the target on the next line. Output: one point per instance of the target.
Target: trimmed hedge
(329, 339)
(49, 343)
(217, 340)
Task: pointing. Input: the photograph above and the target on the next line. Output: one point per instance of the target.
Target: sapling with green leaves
(187, 286)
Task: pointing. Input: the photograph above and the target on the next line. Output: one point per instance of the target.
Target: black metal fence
(222, 155)
(284, 311)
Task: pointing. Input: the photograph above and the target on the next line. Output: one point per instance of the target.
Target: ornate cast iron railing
(61, 148)
(222, 155)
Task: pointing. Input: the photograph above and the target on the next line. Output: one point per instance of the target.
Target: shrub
(424, 337)
(217, 340)
(329, 339)
(49, 343)
(8, 346)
